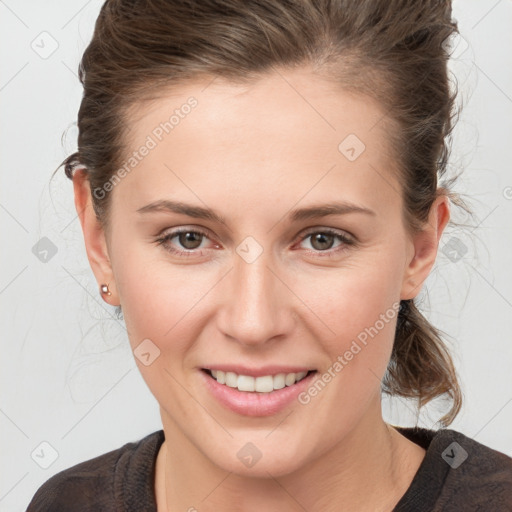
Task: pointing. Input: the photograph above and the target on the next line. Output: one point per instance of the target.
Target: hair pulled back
(391, 50)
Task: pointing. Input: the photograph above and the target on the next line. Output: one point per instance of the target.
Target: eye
(322, 240)
(189, 239)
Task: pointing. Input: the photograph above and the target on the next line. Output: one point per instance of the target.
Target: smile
(262, 384)
(260, 391)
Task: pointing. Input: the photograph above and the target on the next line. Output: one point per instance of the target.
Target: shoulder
(477, 475)
(462, 473)
(97, 484)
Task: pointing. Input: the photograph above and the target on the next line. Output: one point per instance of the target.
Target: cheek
(358, 308)
(165, 304)
(168, 303)
(352, 298)
(159, 299)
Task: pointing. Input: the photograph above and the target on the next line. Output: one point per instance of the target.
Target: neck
(369, 469)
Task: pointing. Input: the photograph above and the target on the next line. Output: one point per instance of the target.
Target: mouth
(260, 384)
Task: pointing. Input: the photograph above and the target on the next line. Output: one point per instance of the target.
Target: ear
(94, 236)
(425, 244)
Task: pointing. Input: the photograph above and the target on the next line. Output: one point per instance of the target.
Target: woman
(257, 184)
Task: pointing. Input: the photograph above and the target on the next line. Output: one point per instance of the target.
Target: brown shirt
(457, 474)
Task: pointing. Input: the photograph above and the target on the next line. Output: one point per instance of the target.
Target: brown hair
(392, 50)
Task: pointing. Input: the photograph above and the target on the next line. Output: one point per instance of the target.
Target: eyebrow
(301, 214)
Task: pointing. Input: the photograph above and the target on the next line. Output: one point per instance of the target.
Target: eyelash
(329, 253)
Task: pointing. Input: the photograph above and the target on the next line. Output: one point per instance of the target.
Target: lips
(261, 384)
(262, 401)
(261, 371)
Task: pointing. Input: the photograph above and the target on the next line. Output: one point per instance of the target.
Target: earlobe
(425, 245)
(94, 237)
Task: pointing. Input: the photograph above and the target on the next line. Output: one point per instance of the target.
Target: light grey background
(68, 377)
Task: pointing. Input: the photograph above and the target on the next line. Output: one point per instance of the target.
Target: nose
(258, 307)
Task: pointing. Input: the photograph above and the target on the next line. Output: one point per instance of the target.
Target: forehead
(289, 130)
(277, 103)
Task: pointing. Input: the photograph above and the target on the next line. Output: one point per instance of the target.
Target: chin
(254, 456)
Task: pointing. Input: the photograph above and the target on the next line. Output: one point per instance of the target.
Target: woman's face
(262, 285)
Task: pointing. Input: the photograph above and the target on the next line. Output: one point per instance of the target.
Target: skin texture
(253, 153)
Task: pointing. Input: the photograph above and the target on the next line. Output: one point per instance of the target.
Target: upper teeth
(264, 384)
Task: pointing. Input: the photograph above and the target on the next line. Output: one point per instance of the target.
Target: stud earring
(104, 290)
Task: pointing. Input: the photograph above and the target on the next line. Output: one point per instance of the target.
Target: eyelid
(184, 229)
(347, 240)
(332, 231)
(303, 234)
(169, 233)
